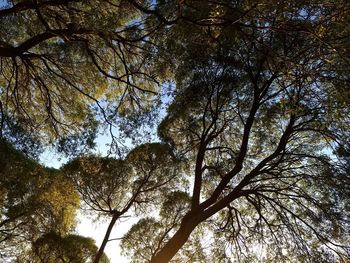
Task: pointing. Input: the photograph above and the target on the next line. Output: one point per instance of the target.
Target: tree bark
(175, 243)
(105, 239)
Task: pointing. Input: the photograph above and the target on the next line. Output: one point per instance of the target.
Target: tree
(259, 121)
(276, 189)
(68, 65)
(71, 248)
(112, 187)
(146, 238)
(34, 201)
(256, 117)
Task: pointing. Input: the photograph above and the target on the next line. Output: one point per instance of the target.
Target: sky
(87, 226)
(96, 230)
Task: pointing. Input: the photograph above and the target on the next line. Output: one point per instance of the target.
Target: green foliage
(254, 159)
(258, 103)
(53, 248)
(114, 187)
(140, 241)
(146, 238)
(34, 200)
(109, 185)
(67, 66)
(104, 181)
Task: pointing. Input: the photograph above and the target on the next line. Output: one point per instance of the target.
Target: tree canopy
(112, 187)
(251, 162)
(34, 201)
(67, 66)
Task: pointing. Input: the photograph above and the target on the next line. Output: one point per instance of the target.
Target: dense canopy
(251, 100)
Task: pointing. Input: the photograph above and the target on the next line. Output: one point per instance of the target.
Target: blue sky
(87, 226)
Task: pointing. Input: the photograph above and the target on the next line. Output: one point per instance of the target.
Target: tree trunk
(175, 243)
(105, 239)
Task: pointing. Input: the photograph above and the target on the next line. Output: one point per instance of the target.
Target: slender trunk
(174, 244)
(105, 239)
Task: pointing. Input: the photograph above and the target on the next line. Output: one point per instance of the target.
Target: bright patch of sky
(3, 3)
(97, 229)
(86, 225)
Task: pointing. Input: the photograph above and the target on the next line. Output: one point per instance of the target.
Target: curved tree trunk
(175, 243)
(105, 239)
